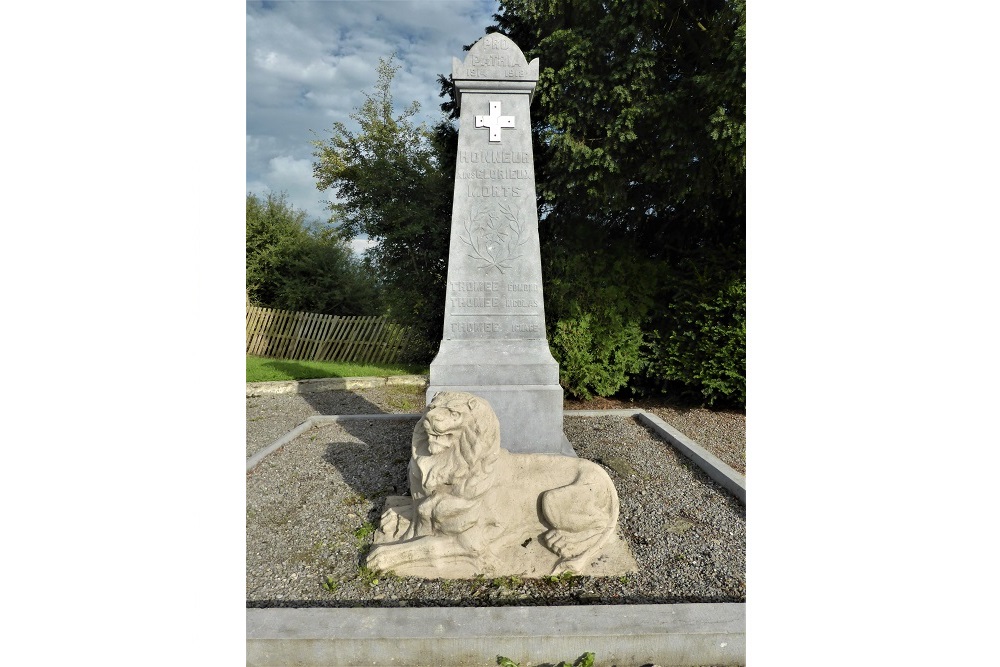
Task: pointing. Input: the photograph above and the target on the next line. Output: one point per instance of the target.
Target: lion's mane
(466, 465)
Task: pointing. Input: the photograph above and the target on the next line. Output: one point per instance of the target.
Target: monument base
(519, 378)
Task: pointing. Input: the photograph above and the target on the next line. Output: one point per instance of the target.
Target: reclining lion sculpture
(476, 509)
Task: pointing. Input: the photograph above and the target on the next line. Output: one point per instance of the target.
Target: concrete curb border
(331, 384)
(669, 634)
(713, 466)
(682, 634)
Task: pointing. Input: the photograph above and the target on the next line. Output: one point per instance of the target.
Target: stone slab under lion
(477, 509)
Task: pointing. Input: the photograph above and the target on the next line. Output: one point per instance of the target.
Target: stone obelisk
(494, 341)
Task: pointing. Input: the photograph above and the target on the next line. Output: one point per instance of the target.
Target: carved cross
(494, 121)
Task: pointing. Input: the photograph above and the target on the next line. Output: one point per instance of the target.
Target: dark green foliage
(595, 359)
(394, 180)
(698, 344)
(640, 130)
(596, 301)
(641, 108)
(293, 266)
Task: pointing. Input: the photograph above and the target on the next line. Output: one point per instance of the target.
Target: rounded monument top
(495, 57)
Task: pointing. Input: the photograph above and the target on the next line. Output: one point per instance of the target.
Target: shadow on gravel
(376, 467)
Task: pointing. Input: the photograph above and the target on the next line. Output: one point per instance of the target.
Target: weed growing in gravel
(512, 581)
(330, 584)
(310, 555)
(404, 398)
(372, 577)
(368, 576)
(364, 532)
(585, 660)
(353, 500)
(564, 578)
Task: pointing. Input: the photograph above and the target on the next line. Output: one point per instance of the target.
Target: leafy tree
(293, 265)
(697, 342)
(640, 126)
(394, 183)
(273, 228)
(596, 298)
(641, 113)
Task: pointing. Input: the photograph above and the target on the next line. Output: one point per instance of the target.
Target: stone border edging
(714, 467)
(331, 384)
(681, 634)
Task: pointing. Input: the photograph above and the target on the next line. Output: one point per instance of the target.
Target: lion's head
(455, 444)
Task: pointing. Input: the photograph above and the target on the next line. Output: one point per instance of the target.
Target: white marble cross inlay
(494, 121)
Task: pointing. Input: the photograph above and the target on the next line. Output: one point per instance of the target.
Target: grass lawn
(269, 370)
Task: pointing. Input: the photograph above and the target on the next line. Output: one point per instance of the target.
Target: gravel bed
(722, 433)
(311, 507)
(271, 416)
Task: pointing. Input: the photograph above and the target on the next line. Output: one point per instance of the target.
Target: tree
(292, 265)
(640, 127)
(394, 183)
(641, 112)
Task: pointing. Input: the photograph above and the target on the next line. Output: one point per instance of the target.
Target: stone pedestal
(494, 341)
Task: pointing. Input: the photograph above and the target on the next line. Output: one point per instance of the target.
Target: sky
(310, 63)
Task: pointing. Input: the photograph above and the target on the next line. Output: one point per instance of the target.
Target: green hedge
(697, 345)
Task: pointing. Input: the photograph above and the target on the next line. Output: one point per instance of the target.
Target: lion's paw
(569, 545)
(393, 523)
(378, 559)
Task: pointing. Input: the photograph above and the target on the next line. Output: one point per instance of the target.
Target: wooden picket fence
(281, 334)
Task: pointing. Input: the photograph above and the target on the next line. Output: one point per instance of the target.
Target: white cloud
(284, 65)
(359, 245)
(308, 64)
(294, 177)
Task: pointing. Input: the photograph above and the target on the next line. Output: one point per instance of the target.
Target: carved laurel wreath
(495, 236)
